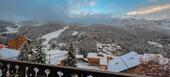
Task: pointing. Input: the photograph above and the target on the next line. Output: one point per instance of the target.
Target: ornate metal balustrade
(10, 68)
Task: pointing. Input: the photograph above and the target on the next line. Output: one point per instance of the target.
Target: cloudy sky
(82, 10)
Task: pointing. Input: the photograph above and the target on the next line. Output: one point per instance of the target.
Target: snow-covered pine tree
(39, 55)
(71, 59)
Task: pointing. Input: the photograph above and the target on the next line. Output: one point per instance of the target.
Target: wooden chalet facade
(18, 42)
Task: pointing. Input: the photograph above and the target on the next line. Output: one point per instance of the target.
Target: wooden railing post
(4, 69)
(21, 71)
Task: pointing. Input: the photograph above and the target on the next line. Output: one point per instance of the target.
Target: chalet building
(93, 58)
(114, 63)
(99, 60)
(17, 42)
(103, 63)
(108, 48)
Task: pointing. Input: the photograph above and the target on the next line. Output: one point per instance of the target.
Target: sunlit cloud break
(150, 10)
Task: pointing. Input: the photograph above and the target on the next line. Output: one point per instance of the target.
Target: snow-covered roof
(124, 62)
(92, 55)
(9, 53)
(103, 54)
(79, 56)
(75, 33)
(86, 66)
(131, 59)
(117, 65)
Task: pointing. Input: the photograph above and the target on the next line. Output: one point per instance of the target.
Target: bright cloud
(80, 9)
(149, 10)
(92, 3)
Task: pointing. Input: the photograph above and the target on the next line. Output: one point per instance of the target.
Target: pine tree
(71, 59)
(53, 46)
(1, 40)
(39, 54)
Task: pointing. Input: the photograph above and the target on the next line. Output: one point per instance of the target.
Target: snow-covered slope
(52, 35)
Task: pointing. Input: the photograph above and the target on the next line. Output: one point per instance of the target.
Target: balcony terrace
(9, 68)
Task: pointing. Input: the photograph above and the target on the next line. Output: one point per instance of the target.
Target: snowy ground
(54, 56)
(13, 30)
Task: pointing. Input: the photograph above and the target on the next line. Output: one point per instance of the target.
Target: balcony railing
(10, 68)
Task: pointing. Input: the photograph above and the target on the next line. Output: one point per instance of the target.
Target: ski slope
(52, 35)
